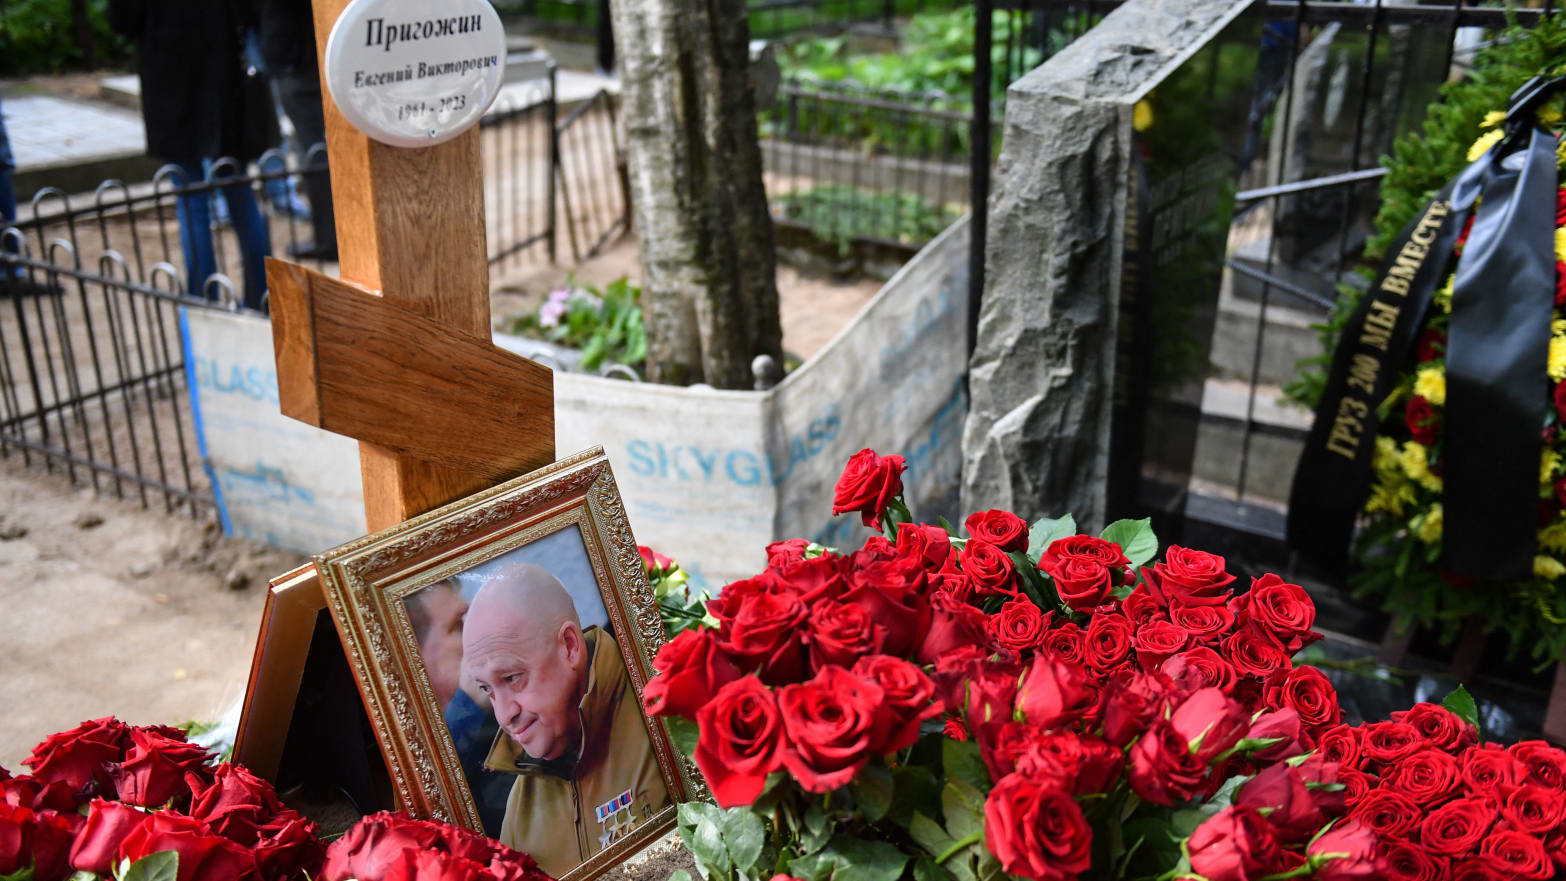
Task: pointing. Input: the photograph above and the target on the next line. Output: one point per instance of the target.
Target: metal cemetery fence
(92, 361)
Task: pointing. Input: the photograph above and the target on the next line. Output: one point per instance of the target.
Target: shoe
(309, 250)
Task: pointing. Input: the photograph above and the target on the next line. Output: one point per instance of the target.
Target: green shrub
(838, 215)
(38, 36)
(605, 324)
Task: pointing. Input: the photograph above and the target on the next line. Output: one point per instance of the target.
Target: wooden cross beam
(398, 353)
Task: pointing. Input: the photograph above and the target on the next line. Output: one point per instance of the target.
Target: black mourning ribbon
(1497, 351)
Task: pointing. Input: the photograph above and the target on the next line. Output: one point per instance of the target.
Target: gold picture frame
(488, 548)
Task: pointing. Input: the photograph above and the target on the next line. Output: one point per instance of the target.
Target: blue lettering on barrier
(741, 467)
(267, 482)
(253, 382)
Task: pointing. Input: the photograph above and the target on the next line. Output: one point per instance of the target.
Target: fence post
(979, 165)
(554, 159)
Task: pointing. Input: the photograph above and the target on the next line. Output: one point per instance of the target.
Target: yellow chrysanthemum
(1548, 115)
(1427, 527)
(1443, 294)
(1557, 364)
(1553, 537)
(1430, 384)
(1142, 116)
(1493, 119)
(1415, 459)
(1560, 244)
(1391, 493)
(1386, 458)
(1548, 567)
(1485, 142)
(1549, 461)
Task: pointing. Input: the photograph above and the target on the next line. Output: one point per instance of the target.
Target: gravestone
(1107, 229)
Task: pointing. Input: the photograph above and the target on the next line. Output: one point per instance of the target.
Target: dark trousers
(300, 91)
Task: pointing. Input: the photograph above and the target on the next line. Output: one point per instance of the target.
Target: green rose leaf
(962, 761)
(1135, 537)
(745, 835)
(701, 828)
(962, 804)
(25, 874)
(1045, 531)
(854, 859)
(160, 866)
(1462, 704)
(914, 788)
(872, 788)
(926, 869)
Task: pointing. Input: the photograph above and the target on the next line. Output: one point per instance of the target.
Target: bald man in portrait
(571, 728)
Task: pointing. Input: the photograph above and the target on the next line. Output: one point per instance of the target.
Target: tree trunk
(709, 286)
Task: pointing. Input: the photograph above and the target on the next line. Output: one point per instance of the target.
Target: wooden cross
(398, 353)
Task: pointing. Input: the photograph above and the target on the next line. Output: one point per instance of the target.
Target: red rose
(1428, 776)
(930, 545)
(1560, 400)
(1410, 862)
(1107, 643)
(1018, 627)
(761, 630)
(1423, 420)
(1210, 722)
(369, 850)
(987, 697)
(1087, 764)
(1161, 768)
(1282, 609)
(1085, 569)
(155, 766)
(1007, 742)
(289, 846)
(988, 568)
(909, 698)
(235, 804)
(1357, 785)
(1235, 844)
(781, 553)
(1306, 691)
(833, 726)
(1457, 827)
(1254, 652)
(79, 756)
(29, 792)
(434, 865)
(1142, 607)
(1156, 641)
(1347, 852)
(691, 669)
(1280, 793)
(1517, 855)
(1203, 623)
(1063, 643)
(1190, 577)
(1476, 869)
(1388, 742)
(1534, 809)
(1432, 345)
(868, 484)
(815, 579)
(1200, 667)
(657, 563)
(953, 624)
(1002, 529)
(202, 856)
(741, 742)
(1131, 702)
(1054, 693)
(1036, 832)
(1490, 770)
(108, 824)
(841, 633)
(1340, 744)
(1546, 765)
(1388, 813)
(37, 840)
(893, 592)
(1282, 726)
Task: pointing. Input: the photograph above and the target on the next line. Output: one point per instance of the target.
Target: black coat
(287, 35)
(191, 62)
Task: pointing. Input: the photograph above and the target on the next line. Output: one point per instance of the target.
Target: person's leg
(255, 241)
(195, 228)
(301, 94)
(7, 192)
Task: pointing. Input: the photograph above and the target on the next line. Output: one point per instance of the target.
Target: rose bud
(1280, 793)
(1235, 844)
(1054, 693)
(1210, 722)
(868, 485)
(1003, 529)
(1161, 768)
(1348, 852)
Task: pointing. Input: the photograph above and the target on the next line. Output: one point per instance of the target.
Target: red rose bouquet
(1015, 699)
(106, 798)
(392, 847)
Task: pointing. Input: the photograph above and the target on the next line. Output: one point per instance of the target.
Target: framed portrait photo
(501, 644)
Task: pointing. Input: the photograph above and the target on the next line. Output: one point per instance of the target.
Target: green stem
(1300, 872)
(952, 851)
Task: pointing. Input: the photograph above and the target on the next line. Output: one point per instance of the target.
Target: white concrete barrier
(709, 477)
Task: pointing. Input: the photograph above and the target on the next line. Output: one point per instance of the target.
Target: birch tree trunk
(709, 286)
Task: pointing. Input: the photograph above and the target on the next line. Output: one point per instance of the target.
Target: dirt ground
(112, 609)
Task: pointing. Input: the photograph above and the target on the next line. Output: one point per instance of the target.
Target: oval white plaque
(412, 73)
